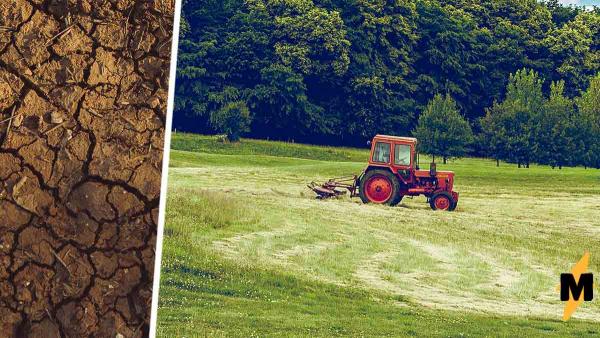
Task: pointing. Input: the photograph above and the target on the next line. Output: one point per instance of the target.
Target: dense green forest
(522, 73)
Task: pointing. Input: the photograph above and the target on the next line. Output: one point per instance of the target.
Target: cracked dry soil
(83, 95)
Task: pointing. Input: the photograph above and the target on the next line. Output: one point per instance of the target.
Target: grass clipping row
(83, 92)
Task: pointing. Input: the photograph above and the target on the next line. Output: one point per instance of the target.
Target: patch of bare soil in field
(83, 92)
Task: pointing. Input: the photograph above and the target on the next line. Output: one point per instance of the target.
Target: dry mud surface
(83, 92)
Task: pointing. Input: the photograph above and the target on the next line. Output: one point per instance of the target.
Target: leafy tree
(561, 14)
(588, 124)
(553, 127)
(576, 48)
(377, 108)
(524, 100)
(375, 95)
(310, 39)
(452, 52)
(220, 59)
(509, 126)
(281, 104)
(525, 88)
(517, 29)
(493, 134)
(441, 130)
(232, 119)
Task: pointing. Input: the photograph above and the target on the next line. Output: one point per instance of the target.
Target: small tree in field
(493, 134)
(588, 124)
(441, 130)
(553, 143)
(232, 119)
(524, 101)
(509, 126)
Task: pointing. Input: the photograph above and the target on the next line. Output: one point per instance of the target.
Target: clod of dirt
(56, 117)
(83, 92)
(154, 102)
(17, 121)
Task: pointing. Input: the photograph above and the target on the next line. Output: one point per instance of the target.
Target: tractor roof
(396, 138)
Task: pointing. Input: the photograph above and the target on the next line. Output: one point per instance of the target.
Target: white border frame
(165, 169)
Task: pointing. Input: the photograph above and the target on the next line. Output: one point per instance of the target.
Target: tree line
(525, 127)
(340, 71)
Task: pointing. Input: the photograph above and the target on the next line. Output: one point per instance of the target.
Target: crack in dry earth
(83, 91)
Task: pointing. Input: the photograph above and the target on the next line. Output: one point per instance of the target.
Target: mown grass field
(248, 251)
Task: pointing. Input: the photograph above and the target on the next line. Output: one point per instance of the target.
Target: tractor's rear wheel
(442, 201)
(380, 187)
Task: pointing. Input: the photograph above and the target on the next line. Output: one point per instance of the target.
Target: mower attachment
(331, 188)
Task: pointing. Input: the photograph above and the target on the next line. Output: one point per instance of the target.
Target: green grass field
(248, 251)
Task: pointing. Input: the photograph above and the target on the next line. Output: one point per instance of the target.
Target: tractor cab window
(381, 154)
(402, 154)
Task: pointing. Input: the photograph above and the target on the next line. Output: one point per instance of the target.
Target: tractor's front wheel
(380, 187)
(442, 201)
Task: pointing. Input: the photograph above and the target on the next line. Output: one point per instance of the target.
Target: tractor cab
(399, 154)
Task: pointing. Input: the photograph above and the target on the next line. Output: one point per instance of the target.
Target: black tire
(395, 196)
(453, 205)
(440, 195)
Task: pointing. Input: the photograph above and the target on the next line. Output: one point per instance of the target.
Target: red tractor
(393, 172)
